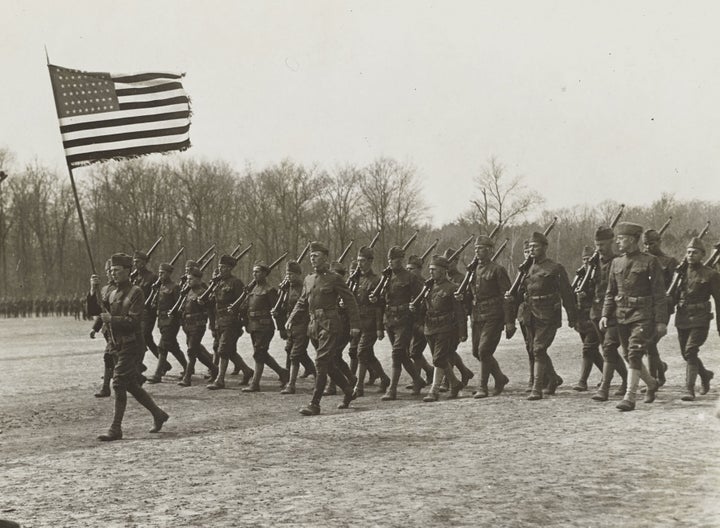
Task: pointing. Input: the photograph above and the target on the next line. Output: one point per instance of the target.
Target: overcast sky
(586, 100)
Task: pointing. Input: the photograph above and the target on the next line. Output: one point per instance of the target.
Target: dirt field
(232, 459)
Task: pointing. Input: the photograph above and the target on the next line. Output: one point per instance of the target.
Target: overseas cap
(603, 233)
(366, 253)
(191, 264)
(628, 228)
(414, 260)
(227, 260)
(261, 266)
(195, 272)
(484, 241)
(166, 266)
(338, 268)
(121, 259)
(651, 236)
(587, 252)
(526, 244)
(539, 238)
(293, 267)
(439, 260)
(316, 246)
(396, 252)
(696, 243)
(141, 255)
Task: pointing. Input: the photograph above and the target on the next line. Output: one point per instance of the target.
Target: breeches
(227, 341)
(485, 338)
(691, 339)
(442, 346)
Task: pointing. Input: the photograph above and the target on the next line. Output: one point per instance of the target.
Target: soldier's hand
(354, 332)
(92, 334)
(372, 298)
(105, 317)
(510, 330)
(380, 335)
(94, 282)
(288, 326)
(661, 329)
(459, 297)
(412, 308)
(603, 323)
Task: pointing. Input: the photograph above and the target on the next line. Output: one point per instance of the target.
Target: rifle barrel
(617, 216)
(410, 241)
(704, 230)
(428, 250)
(302, 254)
(375, 240)
(177, 255)
(664, 227)
(346, 251)
(550, 227)
(458, 252)
(204, 255)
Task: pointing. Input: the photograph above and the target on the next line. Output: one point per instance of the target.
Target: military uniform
(321, 292)
(456, 278)
(194, 318)
(95, 302)
(167, 295)
(636, 298)
(343, 340)
(485, 298)
(419, 342)
(693, 319)
(126, 309)
(145, 280)
(261, 328)
(589, 333)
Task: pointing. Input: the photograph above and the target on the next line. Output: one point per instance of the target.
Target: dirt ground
(228, 458)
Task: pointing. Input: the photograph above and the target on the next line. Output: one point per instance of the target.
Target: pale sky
(587, 100)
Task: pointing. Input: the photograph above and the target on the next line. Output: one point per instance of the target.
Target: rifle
(714, 256)
(456, 255)
(155, 288)
(185, 289)
(428, 250)
(524, 267)
(345, 251)
(134, 273)
(204, 255)
(354, 278)
(664, 227)
(215, 280)
(681, 271)
(593, 263)
(249, 288)
(279, 311)
(495, 230)
(417, 301)
(199, 261)
(471, 270)
(379, 290)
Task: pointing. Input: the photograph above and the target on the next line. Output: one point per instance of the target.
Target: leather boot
(104, 392)
(465, 373)
(553, 379)
(144, 399)
(186, 380)
(330, 390)
(115, 431)
(391, 393)
(500, 379)
(628, 402)
(652, 385)
(482, 391)
(241, 366)
(255, 383)
(621, 369)
(159, 371)
(691, 374)
(705, 377)
(219, 381)
(603, 391)
(587, 365)
(455, 384)
(359, 390)
(313, 408)
(290, 387)
(538, 376)
(434, 393)
(353, 353)
(282, 373)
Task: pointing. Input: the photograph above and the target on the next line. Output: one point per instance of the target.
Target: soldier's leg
(404, 335)
(705, 376)
(366, 354)
(353, 354)
(192, 342)
(124, 374)
(656, 366)
(635, 338)
(174, 348)
(590, 354)
(442, 346)
(147, 323)
(612, 362)
(541, 336)
(324, 345)
(457, 361)
(489, 338)
(238, 362)
(417, 349)
(696, 338)
(162, 351)
(531, 358)
(227, 345)
(109, 364)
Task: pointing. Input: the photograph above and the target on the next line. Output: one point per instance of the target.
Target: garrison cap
(189, 263)
(439, 260)
(414, 260)
(316, 246)
(696, 243)
(366, 253)
(228, 260)
(484, 241)
(166, 266)
(628, 228)
(526, 244)
(121, 259)
(141, 255)
(195, 272)
(261, 266)
(539, 238)
(587, 252)
(396, 252)
(651, 236)
(292, 266)
(338, 268)
(603, 233)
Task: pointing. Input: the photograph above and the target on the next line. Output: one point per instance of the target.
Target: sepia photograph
(342, 263)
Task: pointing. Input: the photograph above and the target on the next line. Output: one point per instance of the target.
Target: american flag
(110, 116)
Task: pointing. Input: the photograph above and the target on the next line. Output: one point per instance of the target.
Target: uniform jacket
(144, 280)
(260, 301)
(443, 313)
(126, 307)
(636, 290)
(600, 286)
(168, 294)
(693, 309)
(294, 292)
(371, 315)
(547, 288)
(402, 288)
(194, 314)
(487, 291)
(227, 292)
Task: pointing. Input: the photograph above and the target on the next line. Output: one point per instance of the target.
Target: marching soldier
(636, 298)
(297, 335)
(228, 328)
(124, 322)
(456, 278)
(402, 288)
(488, 318)
(371, 323)
(343, 340)
(322, 290)
(167, 295)
(417, 346)
(445, 326)
(96, 299)
(194, 323)
(589, 334)
(144, 280)
(261, 328)
(651, 242)
(693, 316)
(546, 287)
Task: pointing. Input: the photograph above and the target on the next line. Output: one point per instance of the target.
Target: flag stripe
(152, 104)
(125, 136)
(154, 88)
(76, 122)
(82, 159)
(169, 94)
(140, 77)
(126, 144)
(126, 127)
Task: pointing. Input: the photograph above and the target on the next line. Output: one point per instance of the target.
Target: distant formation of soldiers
(58, 306)
(619, 304)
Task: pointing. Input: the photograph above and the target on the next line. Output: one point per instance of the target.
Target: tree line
(195, 203)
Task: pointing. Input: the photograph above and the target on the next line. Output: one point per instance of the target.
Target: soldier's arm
(131, 320)
(461, 318)
(273, 295)
(504, 284)
(92, 303)
(566, 295)
(657, 287)
(302, 303)
(609, 306)
(349, 301)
